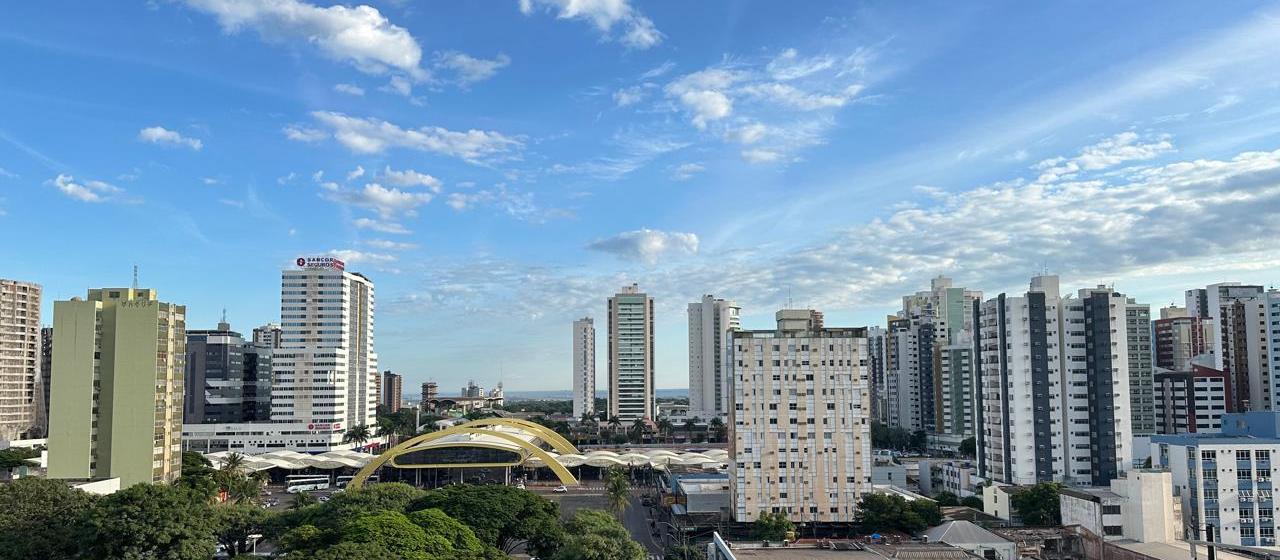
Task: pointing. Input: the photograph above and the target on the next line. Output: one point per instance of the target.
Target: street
(635, 518)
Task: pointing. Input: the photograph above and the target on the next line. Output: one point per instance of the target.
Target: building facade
(1193, 400)
(430, 391)
(799, 439)
(584, 367)
(392, 391)
(876, 373)
(227, 380)
(1224, 481)
(1141, 367)
(269, 335)
(631, 335)
(1178, 340)
(116, 400)
(1055, 386)
(19, 359)
(46, 378)
(1234, 310)
(710, 323)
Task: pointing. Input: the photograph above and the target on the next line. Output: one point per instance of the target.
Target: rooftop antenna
(224, 314)
(135, 276)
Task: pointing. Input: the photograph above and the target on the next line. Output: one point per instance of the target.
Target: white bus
(343, 481)
(305, 483)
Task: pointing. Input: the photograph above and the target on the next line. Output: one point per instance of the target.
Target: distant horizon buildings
(711, 322)
(631, 355)
(584, 367)
(20, 373)
(116, 402)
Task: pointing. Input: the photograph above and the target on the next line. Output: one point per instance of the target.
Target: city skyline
(766, 155)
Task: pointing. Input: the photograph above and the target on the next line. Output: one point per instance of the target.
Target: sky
(500, 168)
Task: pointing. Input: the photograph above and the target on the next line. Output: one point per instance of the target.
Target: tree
(194, 464)
(41, 518)
(616, 490)
(689, 552)
(639, 428)
(302, 539)
(501, 516)
(971, 501)
(968, 447)
(1038, 505)
(690, 426)
(772, 526)
(718, 429)
(233, 524)
(357, 435)
(946, 499)
(883, 512)
(596, 535)
(390, 529)
(151, 521)
(615, 423)
(666, 428)
(446, 536)
(301, 500)
(15, 457)
(344, 506)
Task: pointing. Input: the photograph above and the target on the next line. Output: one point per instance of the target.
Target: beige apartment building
(19, 358)
(800, 439)
(116, 401)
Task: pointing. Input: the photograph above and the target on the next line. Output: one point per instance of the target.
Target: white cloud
(162, 135)
(647, 245)
(703, 94)
(398, 85)
(628, 96)
(1223, 102)
(232, 203)
(304, 134)
(370, 135)
(356, 173)
(387, 245)
(1109, 152)
(287, 178)
(761, 156)
(209, 180)
(380, 226)
(410, 178)
(352, 256)
(318, 176)
(788, 65)
(638, 30)
(358, 35)
(658, 71)
(388, 203)
(517, 204)
(7, 174)
(748, 133)
(86, 191)
(635, 149)
(469, 69)
(349, 89)
(791, 96)
(686, 171)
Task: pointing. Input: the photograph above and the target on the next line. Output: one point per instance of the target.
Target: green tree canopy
(946, 499)
(885, 512)
(42, 518)
(772, 526)
(389, 529)
(596, 535)
(447, 537)
(232, 525)
(152, 521)
(972, 501)
(968, 447)
(15, 457)
(503, 517)
(1038, 505)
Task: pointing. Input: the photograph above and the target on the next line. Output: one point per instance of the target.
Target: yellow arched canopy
(407, 446)
(556, 441)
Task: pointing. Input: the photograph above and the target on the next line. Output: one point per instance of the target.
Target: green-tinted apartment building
(116, 400)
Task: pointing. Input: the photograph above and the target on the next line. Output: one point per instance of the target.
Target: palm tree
(690, 426)
(718, 428)
(357, 435)
(639, 428)
(665, 427)
(614, 423)
(232, 463)
(301, 500)
(617, 492)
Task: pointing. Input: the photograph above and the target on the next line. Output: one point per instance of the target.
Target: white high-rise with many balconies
(631, 394)
(19, 358)
(584, 367)
(710, 323)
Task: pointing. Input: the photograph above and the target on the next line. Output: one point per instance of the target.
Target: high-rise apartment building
(1141, 389)
(116, 402)
(1178, 339)
(876, 372)
(1191, 401)
(19, 358)
(1272, 342)
(1232, 307)
(799, 437)
(710, 323)
(326, 367)
(430, 391)
(392, 391)
(631, 390)
(1055, 386)
(228, 380)
(584, 367)
(932, 394)
(268, 335)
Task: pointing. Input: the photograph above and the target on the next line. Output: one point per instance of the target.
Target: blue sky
(500, 168)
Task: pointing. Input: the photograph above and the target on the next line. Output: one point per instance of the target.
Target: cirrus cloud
(162, 135)
(372, 135)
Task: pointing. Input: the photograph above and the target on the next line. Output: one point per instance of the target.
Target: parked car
(560, 489)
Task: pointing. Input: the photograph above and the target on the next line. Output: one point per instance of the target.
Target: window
(1208, 455)
(1111, 510)
(1246, 532)
(1262, 455)
(1242, 455)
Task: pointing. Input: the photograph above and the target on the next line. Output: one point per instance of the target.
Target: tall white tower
(584, 367)
(326, 369)
(710, 323)
(631, 390)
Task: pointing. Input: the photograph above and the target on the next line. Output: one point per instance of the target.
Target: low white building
(1096, 509)
(1137, 507)
(263, 437)
(960, 478)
